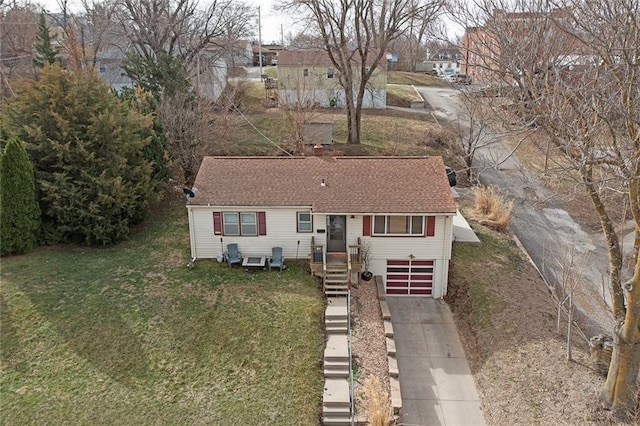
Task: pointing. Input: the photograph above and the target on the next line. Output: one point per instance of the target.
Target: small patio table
(254, 262)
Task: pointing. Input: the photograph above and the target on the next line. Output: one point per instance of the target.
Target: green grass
(130, 334)
(401, 95)
(415, 78)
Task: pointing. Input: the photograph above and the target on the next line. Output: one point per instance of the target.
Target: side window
(248, 224)
(305, 223)
(231, 225)
(330, 73)
(305, 72)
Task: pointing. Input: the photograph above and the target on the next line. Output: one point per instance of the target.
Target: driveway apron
(435, 380)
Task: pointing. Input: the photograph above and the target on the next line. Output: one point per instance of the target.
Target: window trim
(298, 221)
(386, 226)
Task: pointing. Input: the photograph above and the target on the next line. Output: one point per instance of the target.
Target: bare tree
(103, 30)
(299, 108)
(356, 35)
(188, 124)
(181, 29)
(571, 68)
(18, 29)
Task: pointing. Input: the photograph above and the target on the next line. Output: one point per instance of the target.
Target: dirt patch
(507, 320)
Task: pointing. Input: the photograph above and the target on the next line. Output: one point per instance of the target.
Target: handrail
(351, 390)
(349, 269)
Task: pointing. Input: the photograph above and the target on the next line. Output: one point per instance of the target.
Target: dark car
(461, 79)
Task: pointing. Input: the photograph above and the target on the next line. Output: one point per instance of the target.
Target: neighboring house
(209, 73)
(394, 214)
(109, 68)
(238, 53)
(446, 62)
(309, 77)
(268, 54)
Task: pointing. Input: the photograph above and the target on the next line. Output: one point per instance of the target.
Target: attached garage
(411, 277)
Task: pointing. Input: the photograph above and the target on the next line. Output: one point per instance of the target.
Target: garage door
(410, 277)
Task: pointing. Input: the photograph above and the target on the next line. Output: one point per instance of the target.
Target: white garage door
(409, 277)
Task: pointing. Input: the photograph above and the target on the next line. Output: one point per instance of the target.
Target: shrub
(491, 207)
(88, 153)
(19, 210)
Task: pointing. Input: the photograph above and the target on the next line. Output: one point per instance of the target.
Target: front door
(336, 234)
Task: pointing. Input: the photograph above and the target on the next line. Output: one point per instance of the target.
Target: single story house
(392, 215)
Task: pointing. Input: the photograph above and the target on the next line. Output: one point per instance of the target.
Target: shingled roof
(351, 184)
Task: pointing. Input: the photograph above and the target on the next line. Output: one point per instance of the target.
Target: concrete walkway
(435, 380)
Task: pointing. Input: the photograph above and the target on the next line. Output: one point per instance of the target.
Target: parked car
(461, 79)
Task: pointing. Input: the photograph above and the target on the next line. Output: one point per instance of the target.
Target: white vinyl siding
(436, 248)
(280, 224)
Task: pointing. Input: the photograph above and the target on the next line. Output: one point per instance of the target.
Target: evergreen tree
(164, 75)
(19, 210)
(44, 51)
(144, 103)
(87, 147)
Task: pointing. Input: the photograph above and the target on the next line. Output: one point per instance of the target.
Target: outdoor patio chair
(232, 255)
(277, 259)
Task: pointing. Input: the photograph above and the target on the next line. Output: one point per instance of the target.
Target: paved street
(547, 232)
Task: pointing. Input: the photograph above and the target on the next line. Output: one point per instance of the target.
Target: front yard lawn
(129, 334)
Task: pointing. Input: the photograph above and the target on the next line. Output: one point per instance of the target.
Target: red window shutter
(366, 226)
(262, 223)
(217, 223)
(431, 226)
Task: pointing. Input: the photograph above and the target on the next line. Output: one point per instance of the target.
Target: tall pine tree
(19, 210)
(44, 50)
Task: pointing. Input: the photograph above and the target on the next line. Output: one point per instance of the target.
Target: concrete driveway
(435, 380)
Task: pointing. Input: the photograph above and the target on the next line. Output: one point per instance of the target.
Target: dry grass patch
(491, 209)
(507, 321)
(376, 402)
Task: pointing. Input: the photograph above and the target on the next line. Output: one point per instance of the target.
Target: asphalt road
(548, 233)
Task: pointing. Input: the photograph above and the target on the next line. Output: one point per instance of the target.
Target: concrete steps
(336, 402)
(336, 320)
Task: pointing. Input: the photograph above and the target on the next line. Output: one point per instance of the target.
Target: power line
(262, 134)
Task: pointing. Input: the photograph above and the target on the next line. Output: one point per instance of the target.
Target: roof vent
(322, 183)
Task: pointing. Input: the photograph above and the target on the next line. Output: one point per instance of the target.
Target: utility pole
(259, 43)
